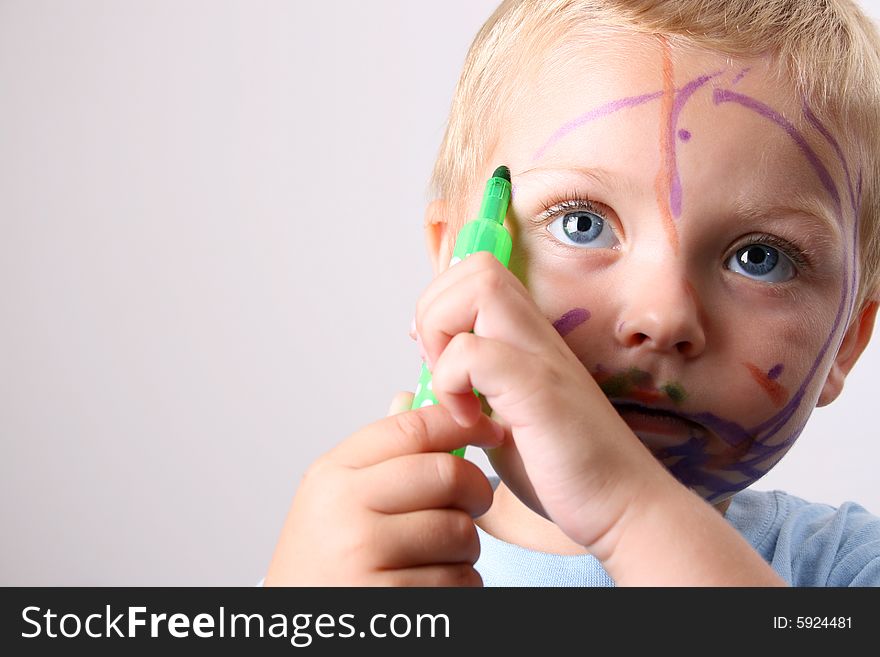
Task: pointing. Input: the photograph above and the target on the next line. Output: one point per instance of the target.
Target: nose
(662, 313)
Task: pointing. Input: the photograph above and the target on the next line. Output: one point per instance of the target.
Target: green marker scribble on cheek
(675, 392)
(617, 385)
(640, 378)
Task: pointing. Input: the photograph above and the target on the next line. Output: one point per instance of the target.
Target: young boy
(695, 267)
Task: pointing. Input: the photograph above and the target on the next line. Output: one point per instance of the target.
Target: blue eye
(763, 263)
(583, 228)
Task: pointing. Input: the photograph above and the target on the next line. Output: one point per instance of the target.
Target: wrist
(669, 536)
(641, 504)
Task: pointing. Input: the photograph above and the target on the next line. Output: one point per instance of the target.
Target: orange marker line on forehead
(663, 181)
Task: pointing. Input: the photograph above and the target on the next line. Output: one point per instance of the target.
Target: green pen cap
(496, 196)
(485, 233)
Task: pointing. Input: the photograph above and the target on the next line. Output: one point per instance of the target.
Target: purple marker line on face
(727, 96)
(753, 473)
(731, 432)
(767, 451)
(740, 76)
(774, 372)
(816, 123)
(685, 472)
(856, 201)
(571, 320)
(681, 97)
(775, 424)
(602, 110)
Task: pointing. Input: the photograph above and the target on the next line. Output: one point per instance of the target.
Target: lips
(657, 426)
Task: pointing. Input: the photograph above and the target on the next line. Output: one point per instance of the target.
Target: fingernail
(422, 353)
(412, 328)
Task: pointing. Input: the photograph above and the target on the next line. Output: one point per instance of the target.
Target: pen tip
(502, 172)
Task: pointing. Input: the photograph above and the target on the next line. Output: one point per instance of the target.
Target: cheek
(786, 351)
(571, 302)
(767, 366)
(776, 377)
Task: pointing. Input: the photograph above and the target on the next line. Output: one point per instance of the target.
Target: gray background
(210, 251)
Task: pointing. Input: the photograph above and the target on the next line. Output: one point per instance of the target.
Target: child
(695, 267)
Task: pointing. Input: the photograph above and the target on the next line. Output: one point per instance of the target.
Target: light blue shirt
(807, 544)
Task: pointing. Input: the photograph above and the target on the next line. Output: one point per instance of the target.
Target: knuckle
(448, 471)
(463, 528)
(421, 306)
(485, 495)
(485, 259)
(463, 343)
(547, 372)
(491, 279)
(318, 473)
(414, 430)
(465, 575)
(357, 543)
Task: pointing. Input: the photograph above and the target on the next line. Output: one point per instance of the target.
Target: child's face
(690, 233)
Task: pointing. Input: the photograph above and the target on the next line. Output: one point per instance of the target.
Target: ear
(437, 234)
(854, 342)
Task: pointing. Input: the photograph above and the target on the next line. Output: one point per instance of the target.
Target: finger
(480, 261)
(454, 574)
(506, 376)
(426, 481)
(487, 304)
(401, 402)
(433, 536)
(452, 274)
(429, 429)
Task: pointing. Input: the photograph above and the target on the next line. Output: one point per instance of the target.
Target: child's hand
(389, 506)
(569, 455)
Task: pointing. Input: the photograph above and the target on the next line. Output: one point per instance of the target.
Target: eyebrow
(594, 174)
(803, 206)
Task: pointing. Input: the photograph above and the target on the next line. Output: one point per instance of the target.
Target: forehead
(623, 104)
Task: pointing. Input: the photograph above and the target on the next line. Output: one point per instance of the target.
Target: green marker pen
(485, 233)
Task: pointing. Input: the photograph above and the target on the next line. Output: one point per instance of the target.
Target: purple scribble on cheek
(774, 372)
(571, 320)
(684, 135)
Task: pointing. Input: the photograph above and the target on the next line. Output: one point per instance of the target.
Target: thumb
(401, 402)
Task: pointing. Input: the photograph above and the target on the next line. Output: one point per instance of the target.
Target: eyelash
(573, 200)
(566, 203)
(795, 254)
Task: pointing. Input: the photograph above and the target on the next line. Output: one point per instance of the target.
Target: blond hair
(828, 49)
